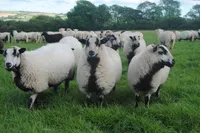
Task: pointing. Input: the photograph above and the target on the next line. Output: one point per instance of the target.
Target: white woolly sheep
(187, 35)
(166, 38)
(149, 70)
(99, 69)
(40, 69)
(113, 41)
(195, 35)
(20, 36)
(178, 35)
(74, 44)
(133, 46)
(5, 36)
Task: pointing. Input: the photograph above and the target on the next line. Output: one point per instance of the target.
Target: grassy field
(177, 110)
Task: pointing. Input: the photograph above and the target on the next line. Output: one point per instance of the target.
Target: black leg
(55, 88)
(100, 100)
(137, 99)
(114, 88)
(158, 92)
(147, 100)
(66, 85)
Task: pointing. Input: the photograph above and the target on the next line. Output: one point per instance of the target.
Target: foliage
(86, 16)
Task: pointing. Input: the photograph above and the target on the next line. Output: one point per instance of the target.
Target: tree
(194, 13)
(82, 16)
(150, 10)
(171, 8)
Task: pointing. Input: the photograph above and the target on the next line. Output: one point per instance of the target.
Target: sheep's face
(163, 54)
(12, 57)
(135, 42)
(93, 46)
(113, 41)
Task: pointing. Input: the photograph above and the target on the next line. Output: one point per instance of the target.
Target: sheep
(61, 29)
(40, 69)
(166, 38)
(75, 44)
(178, 35)
(187, 35)
(1, 44)
(113, 41)
(149, 70)
(5, 36)
(32, 36)
(195, 34)
(99, 69)
(20, 36)
(133, 46)
(52, 38)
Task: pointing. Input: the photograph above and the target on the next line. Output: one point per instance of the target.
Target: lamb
(166, 38)
(5, 36)
(99, 69)
(74, 44)
(52, 38)
(149, 70)
(20, 36)
(40, 69)
(133, 46)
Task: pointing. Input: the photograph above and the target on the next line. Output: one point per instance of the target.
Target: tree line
(86, 16)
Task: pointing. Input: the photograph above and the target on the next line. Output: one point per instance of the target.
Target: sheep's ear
(133, 38)
(104, 40)
(22, 50)
(155, 48)
(1, 51)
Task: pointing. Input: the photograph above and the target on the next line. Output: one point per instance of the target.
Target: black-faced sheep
(149, 70)
(40, 69)
(99, 69)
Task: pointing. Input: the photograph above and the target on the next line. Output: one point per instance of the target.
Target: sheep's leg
(137, 99)
(147, 100)
(158, 92)
(66, 84)
(32, 100)
(114, 88)
(55, 88)
(100, 100)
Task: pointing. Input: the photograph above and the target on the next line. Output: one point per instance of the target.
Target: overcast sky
(63, 6)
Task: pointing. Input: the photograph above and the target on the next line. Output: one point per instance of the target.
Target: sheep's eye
(160, 52)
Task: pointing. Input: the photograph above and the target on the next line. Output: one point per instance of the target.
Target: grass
(177, 110)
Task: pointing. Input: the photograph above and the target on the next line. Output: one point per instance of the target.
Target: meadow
(177, 110)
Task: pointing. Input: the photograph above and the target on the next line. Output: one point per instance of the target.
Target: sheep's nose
(91, 53)
(8, 65)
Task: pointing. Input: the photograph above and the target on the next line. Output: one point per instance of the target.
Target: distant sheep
(40, 69)
(5, 36)
(52, 38)
(166, 38)
(133, 46)
(20, 36)
(149, 70)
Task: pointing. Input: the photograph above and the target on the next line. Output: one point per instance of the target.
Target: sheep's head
(163, 55)
(113, 41)
(44, 34)
(12, 57)
(135, 42)
(93, 45)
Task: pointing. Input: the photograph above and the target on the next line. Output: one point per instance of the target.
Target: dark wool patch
(144, 83)
(17, 80)
(92, 86)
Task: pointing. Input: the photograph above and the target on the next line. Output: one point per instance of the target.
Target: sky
(63, 6)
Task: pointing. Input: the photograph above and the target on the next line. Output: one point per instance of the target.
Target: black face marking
(144, 83)
(164, 50)
(92, 86)
(14, 52)
(97, 42)
(5, 53)
(83, 41)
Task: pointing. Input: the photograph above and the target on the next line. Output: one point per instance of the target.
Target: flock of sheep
(97, 65)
